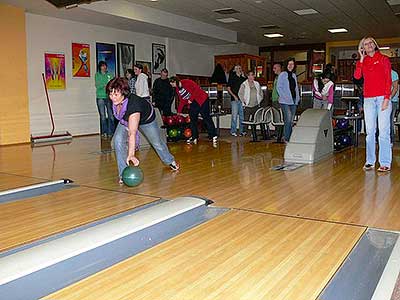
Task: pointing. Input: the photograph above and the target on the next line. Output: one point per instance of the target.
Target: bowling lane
(239, 255)
(8, 181)
(34, 218)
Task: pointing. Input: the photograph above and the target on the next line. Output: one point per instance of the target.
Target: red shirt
(192, 93)
(376, 71)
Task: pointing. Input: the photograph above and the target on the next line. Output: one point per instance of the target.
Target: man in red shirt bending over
(189, 93)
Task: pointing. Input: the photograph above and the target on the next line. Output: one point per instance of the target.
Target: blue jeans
(289, 112)
(152, 133)
(104, 106)
(237, 110)
(395, 106)
(372, 110)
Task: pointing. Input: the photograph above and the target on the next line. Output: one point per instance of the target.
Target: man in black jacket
(163, 93)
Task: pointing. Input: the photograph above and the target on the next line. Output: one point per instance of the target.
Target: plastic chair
(256, 119)
(277, 121)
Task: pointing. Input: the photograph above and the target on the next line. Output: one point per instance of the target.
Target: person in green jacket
(277, 68)
(104, 104)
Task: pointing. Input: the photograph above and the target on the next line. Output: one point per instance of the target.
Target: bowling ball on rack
(187, 133)
(132, 176)
(337, 143)
(173, 133)
(170, 121)
(345, 140)
(342, 124)
(175, 118)
(187, 119)
(180, 120)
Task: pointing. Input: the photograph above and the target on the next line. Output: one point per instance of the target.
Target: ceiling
(360, 17)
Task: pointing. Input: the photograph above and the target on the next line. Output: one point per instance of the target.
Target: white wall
(75, 107)
(190, 58)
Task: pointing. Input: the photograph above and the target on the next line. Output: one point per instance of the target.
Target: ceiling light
(258, 1)
(337, 30)
(226, 11)
(269, 26)
(302, 12)
(384, 48)
(228, 20)
(273, 35)
(393, 2)
(71, 6)
(153, 0)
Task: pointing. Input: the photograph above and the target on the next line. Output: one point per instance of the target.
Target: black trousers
(194, 111)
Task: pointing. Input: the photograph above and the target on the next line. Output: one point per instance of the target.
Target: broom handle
(48, 104)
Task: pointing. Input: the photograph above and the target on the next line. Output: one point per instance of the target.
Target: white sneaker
(191, 141)
(175, 166)
(215, 139)
(233, 134)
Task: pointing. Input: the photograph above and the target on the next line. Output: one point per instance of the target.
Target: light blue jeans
(237, 110)
(289, 112)
(372, 110)
(395, 106)
(152, 132)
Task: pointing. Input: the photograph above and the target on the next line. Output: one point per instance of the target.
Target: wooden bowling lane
(34, 218)
(8, 181)
(236, 174)
(239, 255)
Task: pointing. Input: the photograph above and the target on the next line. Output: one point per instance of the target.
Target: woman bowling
(375, 68)
(134, 113)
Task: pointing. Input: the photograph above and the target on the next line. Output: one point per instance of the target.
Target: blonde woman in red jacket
(375, 68)
(189, 93)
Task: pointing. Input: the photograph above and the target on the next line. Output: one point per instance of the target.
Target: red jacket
(376, 71)
(196, 94)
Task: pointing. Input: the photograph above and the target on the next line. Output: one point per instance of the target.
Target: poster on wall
(54, 65)
(159, 58)
(125, 58)
(80, 60)
(146, 69)
(106, 53)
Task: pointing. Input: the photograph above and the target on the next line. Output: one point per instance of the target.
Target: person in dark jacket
(163, 93)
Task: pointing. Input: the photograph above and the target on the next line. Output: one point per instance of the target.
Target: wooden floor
(8, 182)
(237, 175)
(287, 234)
(239, 255)
(34, 218)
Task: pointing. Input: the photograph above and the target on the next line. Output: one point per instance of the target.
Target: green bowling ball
(132, 176)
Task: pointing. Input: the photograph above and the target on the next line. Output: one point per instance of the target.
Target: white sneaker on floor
(215, 139)
(233, 134)
(191, 141)
(175, 166)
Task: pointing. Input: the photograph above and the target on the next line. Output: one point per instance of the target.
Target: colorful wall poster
(106, 53)
(54, 64)
(80, 60)
(125, 58)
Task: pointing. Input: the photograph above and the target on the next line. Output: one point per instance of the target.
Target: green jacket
(275, 95)
(101, 81)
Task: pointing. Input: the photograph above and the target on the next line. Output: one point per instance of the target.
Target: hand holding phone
(362, 53)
